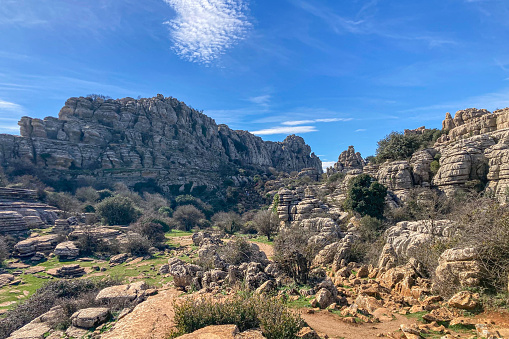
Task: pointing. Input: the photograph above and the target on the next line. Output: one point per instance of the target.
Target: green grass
(260, 238)
(299, 303)
(418, 316)
(178, 233)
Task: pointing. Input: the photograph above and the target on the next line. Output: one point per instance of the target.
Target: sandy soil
(326, 323)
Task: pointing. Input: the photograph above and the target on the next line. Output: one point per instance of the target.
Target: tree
(366, 196)
(117, 210)
(186, 217)
(230, 222)
(266, 223)
(294, 254)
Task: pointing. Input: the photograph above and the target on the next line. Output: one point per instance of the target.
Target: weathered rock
(90, 317)
(460, 267)
(12, 223)
(307, 333)
(217, 332)
(155, 138)
(464, 300)
(119, 258)
(408, 237)
(183, 273)
(33, 330)
(30, 246)
(324, 298)
(6, 279)
(348, 160)
(122, 293)
(396, 175)
(67, 271)
(266, 287)
(67, 250)
(368, 303)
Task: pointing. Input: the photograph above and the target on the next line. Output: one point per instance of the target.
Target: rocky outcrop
(28, 247)
(122, 293)
(348, 160)
(298, 205)
(12, 223)
(472, 121)
(408, 237)
(90, 317)
(67, 250)
(159, 139)
(67, 271)
(396, 175)
(459, 267)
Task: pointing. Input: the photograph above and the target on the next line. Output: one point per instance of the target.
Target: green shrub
(294, 254)
(187, 217)
(244, 310)
(400, 146)
(152, 227)
(138, 245)
(336, 177)
(103, 194)
(165, 211)
(229, 222)
(3, 251)
(236, 251)
(117, 210)
(366, 196)
(266, 223)
(434, 167)
(87, 194)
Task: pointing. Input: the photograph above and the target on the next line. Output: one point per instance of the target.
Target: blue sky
(337, 73)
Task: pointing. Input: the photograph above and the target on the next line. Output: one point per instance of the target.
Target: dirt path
(326, 323)
(185, 240)
(266, 248)
(152, 319)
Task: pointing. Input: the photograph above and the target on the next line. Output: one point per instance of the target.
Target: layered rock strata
(348, 160)
(158, 140)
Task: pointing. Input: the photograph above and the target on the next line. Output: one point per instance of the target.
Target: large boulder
(122, 293)
(459, 267)
(66, 250)
(90, 317)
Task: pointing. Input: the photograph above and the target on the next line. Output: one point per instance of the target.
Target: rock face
(67, 250)
(122, 293)
(28, 247)
(407, 237)
(348, 160)
(157, 140)
(67, 271)
(459, 266)
(90, 317)
(472, 121)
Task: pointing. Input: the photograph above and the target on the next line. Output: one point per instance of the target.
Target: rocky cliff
(158, 140)
(473, 152)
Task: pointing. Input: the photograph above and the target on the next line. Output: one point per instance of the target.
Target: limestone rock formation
(348, 160)
(407, 237)
(67, 271)
(90, 317)
(67, 250)
(460, 267)
(28, 247)
(158, 140)
(122, 293)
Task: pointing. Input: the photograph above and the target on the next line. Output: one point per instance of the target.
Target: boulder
(464, 300)
(119, 258)
(459, 266)
(122, 293)
(44, 243)
(6, 279)
(90, 317)
(324, 298)
(67, 271)
(67, 250)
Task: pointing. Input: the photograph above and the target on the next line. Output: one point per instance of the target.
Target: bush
(229, 222)
(151, 227)
(236, 251)
(89, 244)
(367, 248)
(103, 194)
(294, 254)
(186, 217)
(400, 146)
(246, 311)
(87, 194)
(336, 177)
(3, 251)
(266, 223)
(59, 292)
(165, 211)
(63, 201)
(117, 210)
(138, 245)
(366, 196)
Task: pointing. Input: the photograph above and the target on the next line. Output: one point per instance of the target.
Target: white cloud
(326, 164)
(262, 100)
(286, 130)
(361, 130)
(303, 122)
(9, 116)
(204, 29)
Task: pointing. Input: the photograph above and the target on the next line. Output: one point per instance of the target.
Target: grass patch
(178, 233)
(418, 316)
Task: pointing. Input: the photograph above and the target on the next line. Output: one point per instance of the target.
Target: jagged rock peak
(348, 160)
(134, 140)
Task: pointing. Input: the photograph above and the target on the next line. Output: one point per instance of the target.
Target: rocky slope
(474, 151)
(158, 140)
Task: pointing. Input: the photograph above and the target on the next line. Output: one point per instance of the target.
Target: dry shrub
(245, 310)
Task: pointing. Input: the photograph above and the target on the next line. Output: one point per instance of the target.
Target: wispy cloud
(285, 130)
(304, 122)
(262, 100)
(361, 130)
(10, 113)
(205, 29)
